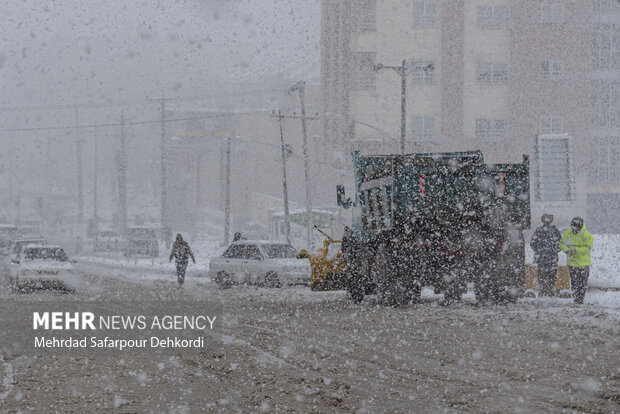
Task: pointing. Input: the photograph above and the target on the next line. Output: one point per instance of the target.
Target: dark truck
(442, 219)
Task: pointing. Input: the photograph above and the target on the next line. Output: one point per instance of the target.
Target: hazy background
(66, 51)
(67, 65)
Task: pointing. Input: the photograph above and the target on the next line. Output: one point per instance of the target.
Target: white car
(42, 266)
(265, 263)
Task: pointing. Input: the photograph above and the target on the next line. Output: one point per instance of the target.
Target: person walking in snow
(545, 243)
(180, 252)
(577, 243)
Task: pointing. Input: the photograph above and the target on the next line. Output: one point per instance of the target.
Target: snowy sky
(67, 51)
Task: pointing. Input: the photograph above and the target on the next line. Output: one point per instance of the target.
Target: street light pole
(287, 220)
(403, 73)
(227, 189)
(164, 178)
(300, 87)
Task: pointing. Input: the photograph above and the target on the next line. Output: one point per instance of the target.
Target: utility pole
(95, 179)
(287, 220)
(227, 190)
(164, 177)
(403, 73)
(11, 169)
(300, 88)
(197, 205)
(80, 176)
(122, 179)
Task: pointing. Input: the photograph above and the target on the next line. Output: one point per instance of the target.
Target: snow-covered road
(302, 351)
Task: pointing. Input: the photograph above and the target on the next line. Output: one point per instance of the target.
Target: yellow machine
(327, 265)
(562, 283)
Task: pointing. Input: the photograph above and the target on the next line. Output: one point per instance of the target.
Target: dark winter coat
(545, 243)
(180, 252)
(348, 246)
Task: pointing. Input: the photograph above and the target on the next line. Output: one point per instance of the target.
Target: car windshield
(17, 247)
(46, 253)
(279, 251)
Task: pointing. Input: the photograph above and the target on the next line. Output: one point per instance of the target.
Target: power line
(147, 101)
(115, 124)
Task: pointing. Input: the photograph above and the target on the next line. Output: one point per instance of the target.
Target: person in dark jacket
(180, 252)
(545, 243)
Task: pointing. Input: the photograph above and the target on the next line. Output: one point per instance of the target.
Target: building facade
(511, 78)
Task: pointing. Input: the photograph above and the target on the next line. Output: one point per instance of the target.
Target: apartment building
(511, 78)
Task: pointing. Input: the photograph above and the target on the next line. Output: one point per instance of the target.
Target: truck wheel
(481, 290)
(356, 292)
(223, 280)
(391, 284)
(354, 286)
(483, 283)
(415, 292)
(272, 280)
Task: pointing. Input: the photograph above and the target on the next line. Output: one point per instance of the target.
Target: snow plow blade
(328, 266)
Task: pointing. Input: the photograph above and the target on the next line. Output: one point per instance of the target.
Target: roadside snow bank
(203, 250)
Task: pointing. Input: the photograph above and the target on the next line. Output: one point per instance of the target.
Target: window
(424, 13)
(555, 172)
(606, 46)
(552, 69)
(235, 251)
(46, 253)
(552, 13)
(364, 13)
(280, 251)
(491, 129)
(388, 206)
(491, 72)
(252, 253)
(380, 203)
(364, 206)
(492, 17)
(364, 75)
(423, 128)
(605, 103)
(605, 6)
(551, 125)
(423, 72)
(605, 160)
(371, 210)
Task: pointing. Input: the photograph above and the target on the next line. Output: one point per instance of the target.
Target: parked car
(19, 244)
(7, 234)
(265, 263)
(108, 241)
(42, 266)
(142, 241)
